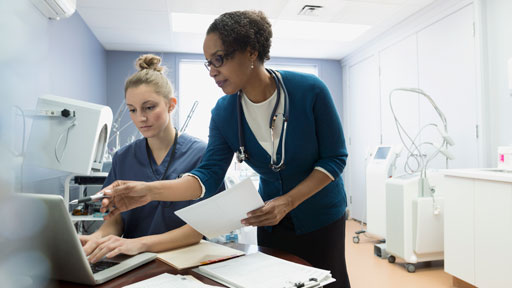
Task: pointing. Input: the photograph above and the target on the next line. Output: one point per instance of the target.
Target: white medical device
(68, 135)
(414, 224)
(380, 168)
(414, 211)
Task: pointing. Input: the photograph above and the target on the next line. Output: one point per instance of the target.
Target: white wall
(497, 49)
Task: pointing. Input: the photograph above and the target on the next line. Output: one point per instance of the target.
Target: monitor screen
(382, 153)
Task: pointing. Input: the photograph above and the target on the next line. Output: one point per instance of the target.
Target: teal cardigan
(314, 138)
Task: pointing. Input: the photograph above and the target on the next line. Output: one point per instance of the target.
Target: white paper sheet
(167, 280)
(222, 213)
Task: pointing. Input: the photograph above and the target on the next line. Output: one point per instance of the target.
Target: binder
(204, 252)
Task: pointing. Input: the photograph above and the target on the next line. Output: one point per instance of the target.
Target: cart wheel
(411, 268)
(355, 239)
(391, 259)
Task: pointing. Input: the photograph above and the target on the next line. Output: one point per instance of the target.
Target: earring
(252, 64)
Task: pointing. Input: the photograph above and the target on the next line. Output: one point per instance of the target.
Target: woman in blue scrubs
(285, 126)
(162, 154)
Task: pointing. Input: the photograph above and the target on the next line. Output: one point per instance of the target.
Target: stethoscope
(241, 154)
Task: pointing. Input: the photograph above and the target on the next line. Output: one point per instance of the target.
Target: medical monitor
(382, 153)
(68, 135)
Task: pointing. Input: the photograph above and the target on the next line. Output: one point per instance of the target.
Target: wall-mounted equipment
(72, 138)
(56, 9)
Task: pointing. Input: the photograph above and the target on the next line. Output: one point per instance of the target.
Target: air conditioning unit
(56, 9)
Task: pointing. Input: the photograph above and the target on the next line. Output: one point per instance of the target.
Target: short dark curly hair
(239, 30)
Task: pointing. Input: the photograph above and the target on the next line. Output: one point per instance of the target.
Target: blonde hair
(152, 74)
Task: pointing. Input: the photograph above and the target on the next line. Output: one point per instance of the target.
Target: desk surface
(491, 174)
(158, 267)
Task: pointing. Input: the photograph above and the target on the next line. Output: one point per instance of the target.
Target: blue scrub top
(131, 163)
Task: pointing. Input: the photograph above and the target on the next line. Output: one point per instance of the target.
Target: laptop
(58, 241)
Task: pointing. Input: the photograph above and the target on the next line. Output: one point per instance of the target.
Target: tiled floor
(367, 271)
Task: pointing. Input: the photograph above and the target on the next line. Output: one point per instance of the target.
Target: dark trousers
(323, 248)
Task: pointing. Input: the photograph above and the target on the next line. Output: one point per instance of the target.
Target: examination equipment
(75, 143)
(416, 151)
(189, 117)
(414, 210)
(380, 167)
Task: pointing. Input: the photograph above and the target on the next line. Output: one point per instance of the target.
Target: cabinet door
(459, 231)
(399, 69)
(364, 128)
(447, 72)
(493, 231)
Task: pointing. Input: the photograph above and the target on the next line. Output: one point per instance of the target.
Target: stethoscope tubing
(242, 154)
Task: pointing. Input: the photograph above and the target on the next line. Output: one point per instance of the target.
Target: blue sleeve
(215, 162)
(331, 141)
(112, 174)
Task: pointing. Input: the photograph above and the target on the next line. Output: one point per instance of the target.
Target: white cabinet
(493, 234)
(364, 116)
(478, 227)
(446, 71)
(459, 219)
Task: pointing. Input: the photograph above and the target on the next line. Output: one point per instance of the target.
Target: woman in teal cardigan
(301, 184)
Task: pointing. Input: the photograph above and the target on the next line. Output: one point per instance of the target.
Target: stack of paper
(259, 270)
(166, 280)
(204, 252)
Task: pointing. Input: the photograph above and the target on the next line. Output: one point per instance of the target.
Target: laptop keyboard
(102, 265)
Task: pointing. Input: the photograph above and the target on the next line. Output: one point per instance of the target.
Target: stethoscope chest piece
(241, 155)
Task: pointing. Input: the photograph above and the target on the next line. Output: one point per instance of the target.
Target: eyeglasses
(217, 61)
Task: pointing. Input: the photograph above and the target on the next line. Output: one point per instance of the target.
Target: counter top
(492, 174)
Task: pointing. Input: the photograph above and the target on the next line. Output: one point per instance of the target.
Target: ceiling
(150, 25)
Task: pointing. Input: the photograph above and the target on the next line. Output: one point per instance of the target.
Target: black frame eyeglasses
(216, 61)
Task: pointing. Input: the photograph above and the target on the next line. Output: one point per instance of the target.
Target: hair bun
(149, 61)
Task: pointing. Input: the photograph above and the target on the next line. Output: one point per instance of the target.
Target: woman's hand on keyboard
(111, 246)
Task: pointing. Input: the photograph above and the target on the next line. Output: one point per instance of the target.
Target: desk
(478, 226)
(158, 267)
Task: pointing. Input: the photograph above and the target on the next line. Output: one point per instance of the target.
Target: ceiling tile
(148, 5)
(271, 8)
(131, 36)
(365, 13)
(126, 19)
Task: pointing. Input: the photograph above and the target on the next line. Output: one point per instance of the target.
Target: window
(195, 84)
(304, 68)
